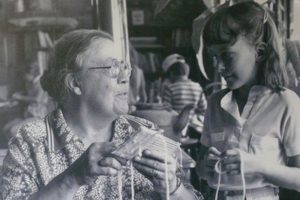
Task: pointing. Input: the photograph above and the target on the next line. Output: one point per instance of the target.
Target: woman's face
(100, 92)
(236, 63)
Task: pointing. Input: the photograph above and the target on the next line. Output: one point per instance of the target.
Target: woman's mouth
(122, 95)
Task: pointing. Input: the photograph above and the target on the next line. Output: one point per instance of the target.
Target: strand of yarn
(243, 174)
(180, 158)
(120, 185)
(132, 174)
(218, 169)
(166, 169)
(132, 181)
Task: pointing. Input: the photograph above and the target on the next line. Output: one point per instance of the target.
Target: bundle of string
(131, 181)
(132, 173)
(218, 169)
(167, 143)
(166, 170)
(120, 185)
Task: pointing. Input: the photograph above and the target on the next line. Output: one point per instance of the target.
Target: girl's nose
(219, 64)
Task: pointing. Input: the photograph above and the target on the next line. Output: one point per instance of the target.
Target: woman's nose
(124, 75)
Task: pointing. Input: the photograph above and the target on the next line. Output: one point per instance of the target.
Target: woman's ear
(261, 49)
(72, 84)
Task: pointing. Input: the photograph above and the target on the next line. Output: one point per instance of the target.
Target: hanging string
(243, 174)
(180, 156)
(166, 170)
(218, 169)
(120, 185)
(132, 181)
(266, 16)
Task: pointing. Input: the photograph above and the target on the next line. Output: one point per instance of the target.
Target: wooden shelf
(160, 26)
(149, 46)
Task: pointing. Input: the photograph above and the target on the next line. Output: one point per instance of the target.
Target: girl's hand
(95, 161)
(16, 96)
(152, 166)
(210, 158)
(231, 162)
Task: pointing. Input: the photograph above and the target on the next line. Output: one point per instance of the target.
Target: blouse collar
(69, 141)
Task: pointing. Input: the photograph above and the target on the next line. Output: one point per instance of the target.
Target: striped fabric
(182, 93)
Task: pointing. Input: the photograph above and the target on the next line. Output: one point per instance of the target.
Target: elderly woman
(67, 155)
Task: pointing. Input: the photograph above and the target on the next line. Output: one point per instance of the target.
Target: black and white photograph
(149, 100)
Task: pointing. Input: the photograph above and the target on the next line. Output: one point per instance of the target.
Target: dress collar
(67, 139)
(229, 104)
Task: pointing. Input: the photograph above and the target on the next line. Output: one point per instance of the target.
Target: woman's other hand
(95, 161)
(152, 165)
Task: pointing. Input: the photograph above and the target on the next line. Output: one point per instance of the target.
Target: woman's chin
(121, 109)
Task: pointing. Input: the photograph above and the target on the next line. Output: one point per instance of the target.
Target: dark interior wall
(79, 9)
(22, 43)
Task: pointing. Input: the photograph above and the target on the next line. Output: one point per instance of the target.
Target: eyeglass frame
(121, 66)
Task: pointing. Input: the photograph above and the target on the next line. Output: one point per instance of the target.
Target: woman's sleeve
(18, 181)
(186, 182)
(195, 192)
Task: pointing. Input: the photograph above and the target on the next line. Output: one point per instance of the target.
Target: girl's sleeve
(205, 134)
(202, 104)
(291, 127)
(18, 182)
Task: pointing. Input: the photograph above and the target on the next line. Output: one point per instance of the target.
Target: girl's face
(236, 63)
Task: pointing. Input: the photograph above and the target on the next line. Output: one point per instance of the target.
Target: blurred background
(145, 32)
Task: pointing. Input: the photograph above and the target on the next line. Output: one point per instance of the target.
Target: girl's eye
(215, 61)
(227, 57)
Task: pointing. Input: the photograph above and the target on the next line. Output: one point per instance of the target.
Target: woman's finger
(101, 149)
(106, 171)
(110, 162)
(158, 156)
(106, 147)
(150, 163)
(149, 172)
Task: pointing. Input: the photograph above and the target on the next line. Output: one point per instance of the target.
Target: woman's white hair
(66, 57)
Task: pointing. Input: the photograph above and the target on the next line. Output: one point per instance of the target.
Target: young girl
(252, 129)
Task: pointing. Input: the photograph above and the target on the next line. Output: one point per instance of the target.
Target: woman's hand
(152, 166)
(95, 161)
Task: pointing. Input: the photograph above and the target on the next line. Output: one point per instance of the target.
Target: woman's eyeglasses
(113, 67)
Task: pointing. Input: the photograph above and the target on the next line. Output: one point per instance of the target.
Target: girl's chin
(233, 86)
